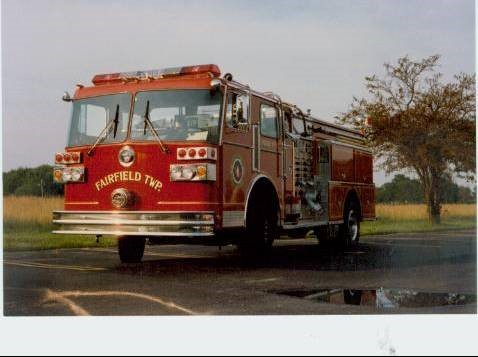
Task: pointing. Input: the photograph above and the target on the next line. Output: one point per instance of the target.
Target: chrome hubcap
(353, 226)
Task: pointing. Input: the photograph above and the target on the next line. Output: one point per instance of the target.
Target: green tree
(400, 190)
(419, 123)
(31, 182)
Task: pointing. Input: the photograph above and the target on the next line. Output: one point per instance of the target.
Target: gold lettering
(128, 176)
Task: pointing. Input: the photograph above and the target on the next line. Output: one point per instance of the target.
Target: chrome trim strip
(130, 222)
(137, 212)
(150, 234)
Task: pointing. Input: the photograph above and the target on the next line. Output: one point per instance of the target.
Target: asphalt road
(197, 280)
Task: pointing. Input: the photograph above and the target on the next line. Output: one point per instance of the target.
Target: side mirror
(66, 97)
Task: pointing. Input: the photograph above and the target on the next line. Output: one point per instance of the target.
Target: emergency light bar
(156, 74)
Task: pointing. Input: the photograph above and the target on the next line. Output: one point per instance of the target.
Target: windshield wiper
(102, 135)
(147, 123)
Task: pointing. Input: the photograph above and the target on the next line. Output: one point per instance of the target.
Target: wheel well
(263, 189)
(352, 196)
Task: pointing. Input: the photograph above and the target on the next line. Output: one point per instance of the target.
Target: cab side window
(269, 117)
(237, 112)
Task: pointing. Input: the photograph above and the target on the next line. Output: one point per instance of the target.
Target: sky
(313, 53)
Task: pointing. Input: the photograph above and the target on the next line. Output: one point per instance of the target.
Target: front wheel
(350, 229)
(131, 249)
(262, 229)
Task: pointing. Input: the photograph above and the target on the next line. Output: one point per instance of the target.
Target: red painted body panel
(363, 167)
(352, 169)
(151, 165)
(343, 164)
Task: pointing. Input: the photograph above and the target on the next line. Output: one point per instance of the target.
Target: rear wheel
(131, 249)
(349, 231)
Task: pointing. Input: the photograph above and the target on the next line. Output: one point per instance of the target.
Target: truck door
(237, 167)
(270, 143)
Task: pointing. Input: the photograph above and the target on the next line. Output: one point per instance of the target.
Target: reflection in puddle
(382, 298)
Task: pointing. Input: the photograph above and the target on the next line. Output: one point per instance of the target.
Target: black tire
(353, 297)
(131, 249)
(324, 235)
(349, 231)
(262, 228)
(327, 235)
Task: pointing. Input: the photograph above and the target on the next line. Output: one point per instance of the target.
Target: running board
(309, 224)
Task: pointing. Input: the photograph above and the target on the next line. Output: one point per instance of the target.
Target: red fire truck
(185, 155)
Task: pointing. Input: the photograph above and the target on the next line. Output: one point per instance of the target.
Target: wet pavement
(395, 274)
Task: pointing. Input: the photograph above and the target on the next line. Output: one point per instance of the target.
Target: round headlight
(176, 173)
(188, 173)
(66, 175)
(76, 174)
(126, 156)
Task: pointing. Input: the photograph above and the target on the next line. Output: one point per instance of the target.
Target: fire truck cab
(187, 155)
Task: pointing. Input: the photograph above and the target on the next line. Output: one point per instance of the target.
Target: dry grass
(38, 210)
(30, 210)
(419, 212)
(27, 223)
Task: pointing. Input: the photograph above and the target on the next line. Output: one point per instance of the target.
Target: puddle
(381, 298)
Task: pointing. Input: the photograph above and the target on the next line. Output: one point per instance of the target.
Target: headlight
(76, 174)
(64, 174)
(199, 172)
(189, 172)
(176, 173)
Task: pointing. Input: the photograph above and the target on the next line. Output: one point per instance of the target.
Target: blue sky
(313, 53)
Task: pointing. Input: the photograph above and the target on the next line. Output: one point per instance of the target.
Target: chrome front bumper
(139, 223)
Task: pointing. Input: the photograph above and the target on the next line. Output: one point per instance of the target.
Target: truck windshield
(91, 115)
(177, 115)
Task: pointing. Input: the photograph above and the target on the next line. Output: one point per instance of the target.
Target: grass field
(27, 223)
(413, 218)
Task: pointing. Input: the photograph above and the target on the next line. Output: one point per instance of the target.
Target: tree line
(403, 189)
(36, 181)
(39, 181)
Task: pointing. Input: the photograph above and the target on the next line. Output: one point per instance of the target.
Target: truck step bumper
(138, 223)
